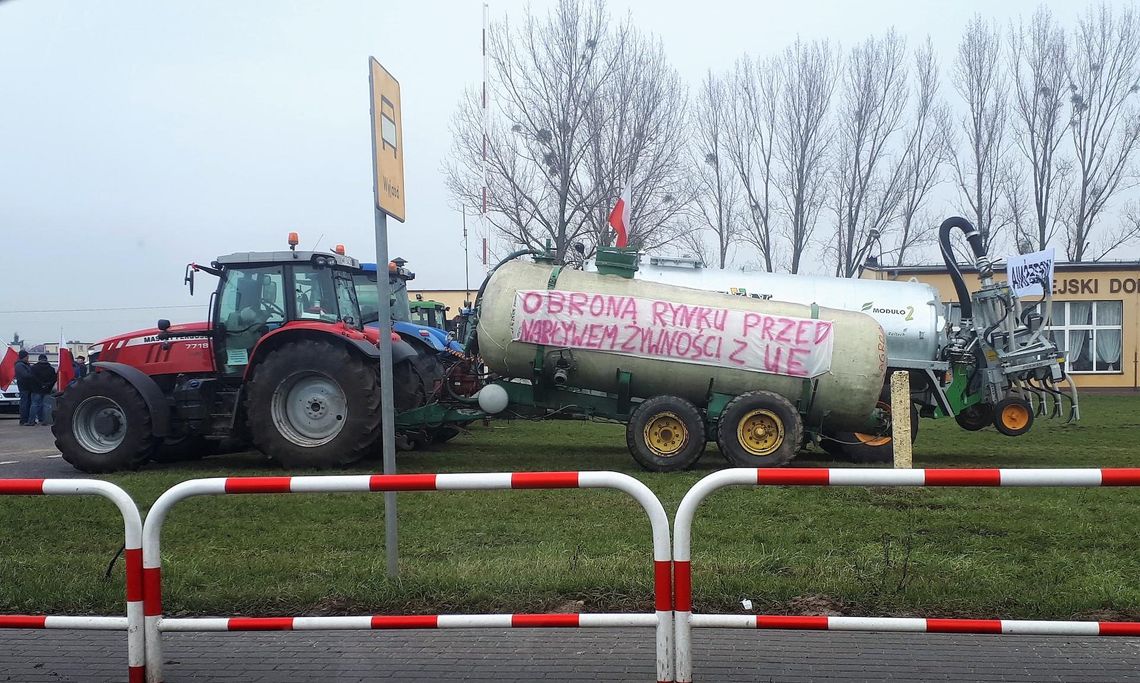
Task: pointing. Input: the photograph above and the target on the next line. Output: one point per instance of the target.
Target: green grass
(1014, 553)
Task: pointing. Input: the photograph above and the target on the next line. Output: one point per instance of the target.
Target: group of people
(36, 382)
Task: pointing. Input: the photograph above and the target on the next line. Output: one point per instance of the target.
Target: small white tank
(846, 394)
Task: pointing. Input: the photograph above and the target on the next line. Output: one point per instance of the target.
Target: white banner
(1029, 274)
(687, 333)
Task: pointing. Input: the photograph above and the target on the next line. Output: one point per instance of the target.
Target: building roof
(1000, 267)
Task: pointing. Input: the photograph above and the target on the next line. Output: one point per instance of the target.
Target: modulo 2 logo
(907, 313)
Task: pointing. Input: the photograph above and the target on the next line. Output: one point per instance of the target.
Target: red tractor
(284, 361)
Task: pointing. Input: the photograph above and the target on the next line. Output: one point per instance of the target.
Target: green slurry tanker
(679, 366)
(685, 365)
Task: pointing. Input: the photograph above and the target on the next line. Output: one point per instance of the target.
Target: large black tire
(872, 447)
(665, 434)
(760, 429)
(101, 424)
(314, 404)
(976, 417)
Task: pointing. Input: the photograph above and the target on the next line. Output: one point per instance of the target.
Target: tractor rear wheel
(314, 404)
(760, 429)
(102, 424)
(665, 434)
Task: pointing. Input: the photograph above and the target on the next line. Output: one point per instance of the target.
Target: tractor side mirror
(188, 279)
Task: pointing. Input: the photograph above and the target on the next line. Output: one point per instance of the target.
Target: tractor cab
(398, 276)
(429, 313)
(259, 292)
(407, 319)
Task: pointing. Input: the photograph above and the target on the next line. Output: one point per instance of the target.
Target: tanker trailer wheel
(665, 434)
(1013, 416)
(313, 404)
(876, 446)
(975, 417)
(102, 424)
(760, 429)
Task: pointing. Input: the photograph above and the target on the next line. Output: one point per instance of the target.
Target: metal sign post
(388, 184)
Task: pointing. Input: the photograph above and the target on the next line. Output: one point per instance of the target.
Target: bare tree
(1129, 227)
(1105, 129)
(803, 137)
(1038, 63)
(715, 204)
(632, 130)
(750, 148)
(867, 185)
(979, 169)
(580, 106)
(927, 149)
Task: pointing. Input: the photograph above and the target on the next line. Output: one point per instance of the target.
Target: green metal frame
(957, 392)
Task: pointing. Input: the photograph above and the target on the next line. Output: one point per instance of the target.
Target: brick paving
(505, 656)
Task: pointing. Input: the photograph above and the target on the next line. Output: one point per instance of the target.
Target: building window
(1090, 333)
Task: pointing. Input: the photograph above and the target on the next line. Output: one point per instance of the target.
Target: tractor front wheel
(314, 404)
(101, 424)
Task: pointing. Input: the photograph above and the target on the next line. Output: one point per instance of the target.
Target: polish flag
(66, 365)
(8, 369)
(619, 217)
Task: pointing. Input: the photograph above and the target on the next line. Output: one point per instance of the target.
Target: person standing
(80, 367)
(44, 376)
(24, 383)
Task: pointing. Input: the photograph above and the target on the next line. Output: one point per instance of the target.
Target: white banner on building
(687, 333)
(1029, 274)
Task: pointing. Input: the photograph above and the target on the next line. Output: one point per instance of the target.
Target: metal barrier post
(132, 532)
(682, 530)
(661, 619)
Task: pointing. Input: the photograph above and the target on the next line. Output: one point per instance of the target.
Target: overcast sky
(136, 135)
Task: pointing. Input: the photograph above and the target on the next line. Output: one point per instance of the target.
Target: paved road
(595, 655)
(30, 452)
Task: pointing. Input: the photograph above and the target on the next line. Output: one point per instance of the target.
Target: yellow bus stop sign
(387, 141)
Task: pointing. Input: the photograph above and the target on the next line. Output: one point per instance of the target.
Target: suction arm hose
(470, 342)
(985, 269)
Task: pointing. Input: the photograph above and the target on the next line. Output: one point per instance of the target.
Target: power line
(85, 310)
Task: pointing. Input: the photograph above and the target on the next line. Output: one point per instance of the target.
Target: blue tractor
(436, 368)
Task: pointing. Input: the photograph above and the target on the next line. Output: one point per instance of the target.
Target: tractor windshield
(399, 289)
(324, 294)
(368, 296)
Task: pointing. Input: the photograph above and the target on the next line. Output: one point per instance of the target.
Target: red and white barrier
(662, 618)
(132, 532)
(685, 620)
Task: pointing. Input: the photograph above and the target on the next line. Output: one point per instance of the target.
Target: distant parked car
(10, 400)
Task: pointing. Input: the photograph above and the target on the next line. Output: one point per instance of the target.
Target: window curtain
(1108, 341)
(1080, 313)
